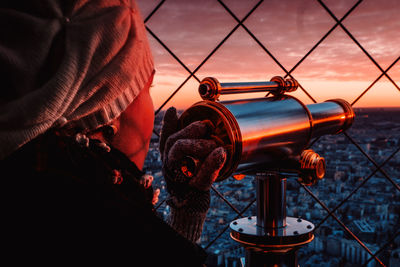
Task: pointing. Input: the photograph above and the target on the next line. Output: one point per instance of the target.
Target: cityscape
(371, 212)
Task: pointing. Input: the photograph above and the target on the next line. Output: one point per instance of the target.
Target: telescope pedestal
(271, 259)
(271, 238)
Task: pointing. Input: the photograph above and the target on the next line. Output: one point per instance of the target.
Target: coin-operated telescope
(268, 137)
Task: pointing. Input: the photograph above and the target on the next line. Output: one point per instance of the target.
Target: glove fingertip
(169, 126)
(170, 121)
(170, 113)
(215, 161)
(210, 169)
(218, 156)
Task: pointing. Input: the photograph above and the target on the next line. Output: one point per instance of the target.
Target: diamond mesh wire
(289, 73)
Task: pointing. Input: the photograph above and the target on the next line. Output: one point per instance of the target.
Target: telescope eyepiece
(210, 88)
(203, 89)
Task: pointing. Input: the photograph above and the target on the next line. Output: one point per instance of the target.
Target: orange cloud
(337, 68)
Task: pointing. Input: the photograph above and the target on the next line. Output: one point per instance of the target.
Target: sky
(337, 68)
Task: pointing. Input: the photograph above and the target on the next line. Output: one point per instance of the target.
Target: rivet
(295, 232)
(235, 223)
(299, 220)
(309, 226)
(249, 218)
(240, 230)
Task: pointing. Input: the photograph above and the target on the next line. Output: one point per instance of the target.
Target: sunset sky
(337, 68)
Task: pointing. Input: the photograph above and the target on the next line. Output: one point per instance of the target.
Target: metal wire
(340, 223)
(358, 187)
(357, 43)
(227, 226)
(208, 56)
(240, 23)
(153, 11)
(325, 36)
(225, 200)
(376, 80)
(372, 161)
(265, 49)
(382, 248)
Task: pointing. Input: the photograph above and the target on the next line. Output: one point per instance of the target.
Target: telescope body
(267, 137)
(265, 131)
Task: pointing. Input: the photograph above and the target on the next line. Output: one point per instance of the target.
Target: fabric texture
(189, 197)
(71, 64)
(65, 207)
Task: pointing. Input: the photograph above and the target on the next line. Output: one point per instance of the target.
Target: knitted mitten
(189, 198)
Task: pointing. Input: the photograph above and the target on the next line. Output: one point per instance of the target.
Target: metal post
(259, 259)
(271, 239)
(271, 201)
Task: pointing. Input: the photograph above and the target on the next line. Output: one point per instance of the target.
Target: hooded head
(75, 65)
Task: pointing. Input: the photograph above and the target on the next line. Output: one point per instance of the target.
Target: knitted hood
(73, 64)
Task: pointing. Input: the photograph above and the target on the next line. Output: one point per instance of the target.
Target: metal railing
(289, 73)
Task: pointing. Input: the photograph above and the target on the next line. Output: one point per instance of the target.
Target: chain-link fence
(309, 33)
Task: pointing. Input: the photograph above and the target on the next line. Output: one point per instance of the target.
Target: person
(76, 118)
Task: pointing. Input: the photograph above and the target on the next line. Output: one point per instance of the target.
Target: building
(364, 231)
(395, 258)
(354, 253)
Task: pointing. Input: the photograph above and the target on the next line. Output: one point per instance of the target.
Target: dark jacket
(60, 205)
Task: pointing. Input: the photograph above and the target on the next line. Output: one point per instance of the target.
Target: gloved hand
(189, 197)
